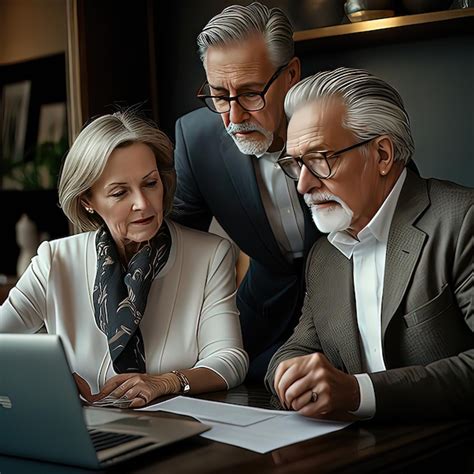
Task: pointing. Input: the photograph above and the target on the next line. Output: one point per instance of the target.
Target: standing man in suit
(226, 165)
(389, 291)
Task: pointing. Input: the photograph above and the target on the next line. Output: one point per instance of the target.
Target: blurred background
(62, 62)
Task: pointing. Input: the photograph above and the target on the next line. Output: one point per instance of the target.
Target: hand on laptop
(84, 389)
(138, 389)
(98, 400)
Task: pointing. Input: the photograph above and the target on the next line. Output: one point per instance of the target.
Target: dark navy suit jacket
(215, 179)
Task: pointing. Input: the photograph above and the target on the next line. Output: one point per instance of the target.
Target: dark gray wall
(435, 78)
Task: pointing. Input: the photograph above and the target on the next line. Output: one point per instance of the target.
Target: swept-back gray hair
(373, 107)
(90, 152)
(237, 23)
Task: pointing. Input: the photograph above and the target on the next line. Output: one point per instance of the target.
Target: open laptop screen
(41, 416)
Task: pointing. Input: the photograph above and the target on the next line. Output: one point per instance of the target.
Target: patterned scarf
(120, 296)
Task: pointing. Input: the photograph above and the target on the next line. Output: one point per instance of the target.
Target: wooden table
(446, 447)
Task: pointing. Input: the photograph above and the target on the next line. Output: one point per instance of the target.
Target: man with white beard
(226, 166)
(387, 324)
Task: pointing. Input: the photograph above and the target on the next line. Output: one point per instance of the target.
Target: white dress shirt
(368, 256)
(281, 204)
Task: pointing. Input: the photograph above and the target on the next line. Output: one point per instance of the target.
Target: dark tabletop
(361, 447)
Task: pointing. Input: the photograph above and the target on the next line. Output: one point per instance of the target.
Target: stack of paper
(252, 428)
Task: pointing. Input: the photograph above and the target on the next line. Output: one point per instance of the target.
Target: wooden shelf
(387, 30)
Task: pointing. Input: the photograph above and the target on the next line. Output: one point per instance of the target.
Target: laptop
(41, 416)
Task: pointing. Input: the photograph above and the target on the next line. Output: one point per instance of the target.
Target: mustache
(316, 198)
(233, 128)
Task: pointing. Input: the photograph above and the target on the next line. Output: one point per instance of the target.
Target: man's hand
(140, 388)
(313, 387)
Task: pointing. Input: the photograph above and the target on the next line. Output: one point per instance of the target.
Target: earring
(90, 210)
(383, 172)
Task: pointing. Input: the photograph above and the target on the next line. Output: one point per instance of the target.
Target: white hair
(237, 23)
(373, 107)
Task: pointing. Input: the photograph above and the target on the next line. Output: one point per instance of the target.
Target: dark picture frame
(15, 100)
(47, 79)
(47, 76)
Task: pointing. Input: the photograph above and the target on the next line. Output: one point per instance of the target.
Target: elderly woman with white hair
(144, 307)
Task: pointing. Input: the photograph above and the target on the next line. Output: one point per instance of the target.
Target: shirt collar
(378, 227)
(271, 156)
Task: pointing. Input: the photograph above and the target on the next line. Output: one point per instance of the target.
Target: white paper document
(256, 429)
(215, 411)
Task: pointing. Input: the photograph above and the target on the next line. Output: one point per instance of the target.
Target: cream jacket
(191, 319)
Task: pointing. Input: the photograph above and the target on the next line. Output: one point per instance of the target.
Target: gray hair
(90, 152)
(237, 23)
(373, 107)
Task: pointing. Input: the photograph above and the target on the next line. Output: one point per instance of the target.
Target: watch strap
(183, 380)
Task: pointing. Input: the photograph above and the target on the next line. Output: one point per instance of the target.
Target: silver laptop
(41, 416)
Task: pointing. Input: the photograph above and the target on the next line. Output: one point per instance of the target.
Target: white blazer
(191, 319)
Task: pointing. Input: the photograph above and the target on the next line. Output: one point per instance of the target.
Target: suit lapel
(242, 174)
(342, 317)
(404, 246)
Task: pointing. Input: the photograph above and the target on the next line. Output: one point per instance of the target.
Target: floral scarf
(120, 296)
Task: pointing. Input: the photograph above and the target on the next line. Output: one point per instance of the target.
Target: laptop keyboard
(104, 440)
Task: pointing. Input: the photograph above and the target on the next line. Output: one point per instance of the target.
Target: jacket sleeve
(219, 334)
(24, 311)
(444, 388)
(303, 341)
(189, 207)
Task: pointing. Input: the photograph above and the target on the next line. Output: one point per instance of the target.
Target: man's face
(352, 195)
(244, 66)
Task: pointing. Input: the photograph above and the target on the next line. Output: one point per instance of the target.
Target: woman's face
(129, 197)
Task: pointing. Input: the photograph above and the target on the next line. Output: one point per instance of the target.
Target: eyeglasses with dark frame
(317, 162)
(250, 101)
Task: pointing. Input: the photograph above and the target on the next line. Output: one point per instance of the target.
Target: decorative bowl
(362, 10)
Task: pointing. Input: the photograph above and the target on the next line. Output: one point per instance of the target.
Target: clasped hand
(312, 386)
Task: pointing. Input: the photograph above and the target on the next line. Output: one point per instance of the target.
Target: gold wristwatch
(183, 380)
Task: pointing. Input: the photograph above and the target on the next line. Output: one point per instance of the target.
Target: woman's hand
(84, 389)
(140, 388)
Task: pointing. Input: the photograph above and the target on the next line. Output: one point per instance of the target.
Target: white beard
(251, 145)
(329, 219)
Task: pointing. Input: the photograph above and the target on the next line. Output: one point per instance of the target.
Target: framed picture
(52, 123)
(14, 119)
(33, 135)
